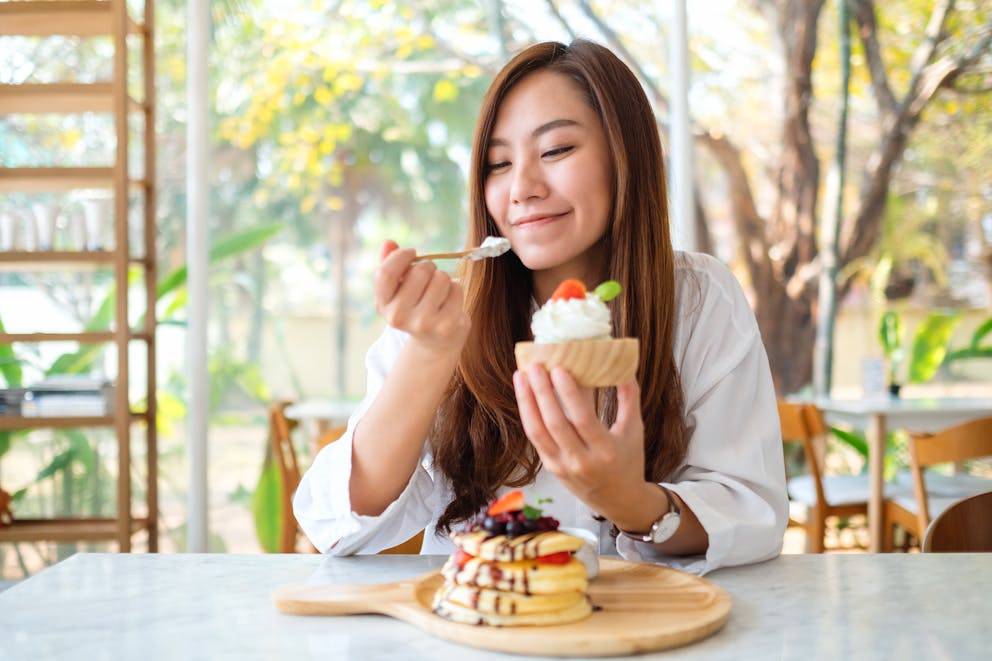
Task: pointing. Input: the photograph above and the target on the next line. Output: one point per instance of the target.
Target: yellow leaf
(323, 96)
(313, 164)
(472, 71)
(309, 202)
(445, 90)
(348, 82)
(326, 146)
(335, 203)
(404, 51)
(425, 42)
(309, 134)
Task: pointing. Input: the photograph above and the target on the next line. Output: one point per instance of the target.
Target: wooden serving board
(640, 607)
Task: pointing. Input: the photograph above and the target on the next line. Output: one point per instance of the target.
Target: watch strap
(673, 509)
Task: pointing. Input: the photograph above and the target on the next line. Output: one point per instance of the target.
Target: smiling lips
(534, 219)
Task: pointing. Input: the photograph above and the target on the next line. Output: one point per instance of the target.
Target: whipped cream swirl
(492, 246)
(572, 319)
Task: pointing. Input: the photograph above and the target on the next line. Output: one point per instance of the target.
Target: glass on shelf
(45, 218)
(97, 212)
(10, 229)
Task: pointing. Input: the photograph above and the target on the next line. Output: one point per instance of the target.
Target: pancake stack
(513, 568)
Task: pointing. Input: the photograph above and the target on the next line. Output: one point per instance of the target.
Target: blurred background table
(879, 415)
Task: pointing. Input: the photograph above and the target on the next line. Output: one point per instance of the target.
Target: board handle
(343, 599)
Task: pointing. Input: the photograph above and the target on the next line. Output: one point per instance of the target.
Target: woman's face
(548, 181)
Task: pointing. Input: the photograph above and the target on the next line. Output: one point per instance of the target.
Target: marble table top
(186, 606)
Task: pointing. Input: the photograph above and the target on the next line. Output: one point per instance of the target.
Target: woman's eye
(499, 165)
(557, 151)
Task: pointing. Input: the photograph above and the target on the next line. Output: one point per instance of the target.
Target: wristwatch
(662, 529)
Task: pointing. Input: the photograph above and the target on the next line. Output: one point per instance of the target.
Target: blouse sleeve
(322, 502)
(733, 478)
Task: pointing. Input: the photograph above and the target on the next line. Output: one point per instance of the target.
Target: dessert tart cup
(593, 363)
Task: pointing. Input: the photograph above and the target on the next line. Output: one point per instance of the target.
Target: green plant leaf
(981, 332)
(930, 345)
(229, 246)
(265, 506)
(58, 463)
(10, 365)
(853, 439)
(607, 291)
(890, 333)
(81, 361)
(967, 352)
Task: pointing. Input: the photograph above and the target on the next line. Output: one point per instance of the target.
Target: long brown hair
(478, 440)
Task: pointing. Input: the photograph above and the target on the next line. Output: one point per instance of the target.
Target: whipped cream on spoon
(492, 246)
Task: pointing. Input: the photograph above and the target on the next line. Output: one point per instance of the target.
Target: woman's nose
(528, 182)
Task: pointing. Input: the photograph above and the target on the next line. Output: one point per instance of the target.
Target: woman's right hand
(421, 300)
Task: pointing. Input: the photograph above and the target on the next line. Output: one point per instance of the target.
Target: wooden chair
(823, 496)
(964, 527)
(280, 431)
(6, 514)
(932, 492)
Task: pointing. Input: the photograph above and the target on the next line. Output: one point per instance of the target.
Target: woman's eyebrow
(540, 130)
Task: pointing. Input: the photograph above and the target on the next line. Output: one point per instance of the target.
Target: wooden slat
(14, 422)
(91, 337)
(32, 180)
(24, 259)
(42, 18)
(35, 180)
(59, 98)
(65, 530)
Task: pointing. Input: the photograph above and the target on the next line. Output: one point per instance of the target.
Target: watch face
(665, 528)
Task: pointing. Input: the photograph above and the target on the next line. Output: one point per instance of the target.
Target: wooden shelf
(19, 261)
(85, 337)
(60, 98)
(110, 19)
(50, 179)
(35, 180)
(66, 530)
(16, 422)
(24, 258)
(21, 423)
(44, 18)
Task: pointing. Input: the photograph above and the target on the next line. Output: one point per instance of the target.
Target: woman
(685, 463)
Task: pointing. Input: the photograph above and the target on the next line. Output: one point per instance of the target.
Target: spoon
(492, 246)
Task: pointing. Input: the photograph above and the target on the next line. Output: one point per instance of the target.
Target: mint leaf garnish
(607, 291)
(532, 513)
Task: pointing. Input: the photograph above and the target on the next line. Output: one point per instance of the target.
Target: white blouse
(733, 478)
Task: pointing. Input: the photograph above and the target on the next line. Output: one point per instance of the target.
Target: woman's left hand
(602, 466)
